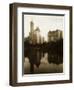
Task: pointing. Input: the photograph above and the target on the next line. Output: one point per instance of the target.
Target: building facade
(55, 35)
(36, 38)
(34, 35)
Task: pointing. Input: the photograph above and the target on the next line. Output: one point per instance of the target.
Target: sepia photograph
(43, 43)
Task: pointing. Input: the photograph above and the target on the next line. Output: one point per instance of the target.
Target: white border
(41, 77)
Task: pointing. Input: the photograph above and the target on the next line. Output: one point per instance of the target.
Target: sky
(44, 22)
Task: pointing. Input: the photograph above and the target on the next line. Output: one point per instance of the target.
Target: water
(38, 61)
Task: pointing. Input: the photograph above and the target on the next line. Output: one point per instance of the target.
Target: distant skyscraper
(31, 32)
(32, 26)
(34, 35)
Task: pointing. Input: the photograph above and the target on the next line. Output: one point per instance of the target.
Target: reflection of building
(55, 35)
(26, 66)
(35, 37)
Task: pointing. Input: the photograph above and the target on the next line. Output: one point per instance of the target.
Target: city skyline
(45, 24)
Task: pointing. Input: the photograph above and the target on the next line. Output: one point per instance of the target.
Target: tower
(32, 26)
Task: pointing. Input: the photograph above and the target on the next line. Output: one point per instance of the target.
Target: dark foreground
(43, 58)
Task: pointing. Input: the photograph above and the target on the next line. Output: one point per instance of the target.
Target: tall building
(31, 32)
(32, 26)
(55, 35)
(34, 35)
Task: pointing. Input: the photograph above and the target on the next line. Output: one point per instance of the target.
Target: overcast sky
(44, 22)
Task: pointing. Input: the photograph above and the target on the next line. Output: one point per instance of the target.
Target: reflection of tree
(36, 52)
(55, 52)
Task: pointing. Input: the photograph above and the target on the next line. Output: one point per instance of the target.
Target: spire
(32, 26)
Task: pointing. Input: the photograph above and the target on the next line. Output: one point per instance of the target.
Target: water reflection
(39, 61)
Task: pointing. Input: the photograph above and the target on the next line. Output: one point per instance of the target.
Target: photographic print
(43, 43)
(40, 44)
